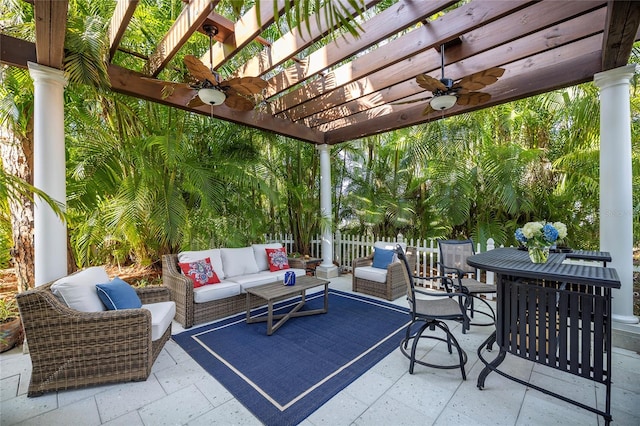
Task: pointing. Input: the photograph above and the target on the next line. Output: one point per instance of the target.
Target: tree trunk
(17, 160)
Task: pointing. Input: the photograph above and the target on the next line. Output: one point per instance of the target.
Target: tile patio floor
(180, 392)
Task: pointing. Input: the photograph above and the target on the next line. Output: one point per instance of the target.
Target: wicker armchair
(395, 285)
(71, 349)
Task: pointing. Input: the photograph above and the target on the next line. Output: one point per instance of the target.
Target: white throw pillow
(238, 261)
(213, 254)
(78, 291)
(260, 252)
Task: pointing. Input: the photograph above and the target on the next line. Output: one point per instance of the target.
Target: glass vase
(539, 254)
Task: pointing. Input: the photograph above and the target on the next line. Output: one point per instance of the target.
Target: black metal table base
(490, 366)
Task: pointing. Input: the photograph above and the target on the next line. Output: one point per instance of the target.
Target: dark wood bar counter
(555, 314)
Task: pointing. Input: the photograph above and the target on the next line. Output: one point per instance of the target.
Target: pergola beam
(623, 21)
(192, 16)
(16, 52)
(119, 22)
(134, 84)
(51, 26)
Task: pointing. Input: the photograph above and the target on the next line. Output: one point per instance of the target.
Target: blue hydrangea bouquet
(538, 237)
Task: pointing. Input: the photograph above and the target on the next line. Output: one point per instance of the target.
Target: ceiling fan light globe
(211, 96)
(440, 103)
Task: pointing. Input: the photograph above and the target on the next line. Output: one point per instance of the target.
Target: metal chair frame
(454, 263)
(432, 313)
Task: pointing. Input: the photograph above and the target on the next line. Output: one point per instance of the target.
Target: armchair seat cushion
(162, 314)
(371, 273)
(219, 291)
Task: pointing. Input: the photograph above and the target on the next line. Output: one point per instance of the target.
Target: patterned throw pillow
(277, 259)
(201, 272)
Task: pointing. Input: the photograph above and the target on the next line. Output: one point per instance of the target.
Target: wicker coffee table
(277, 291)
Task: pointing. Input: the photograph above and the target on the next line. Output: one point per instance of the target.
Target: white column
(616, 205)
(326, 269)
(50, 232)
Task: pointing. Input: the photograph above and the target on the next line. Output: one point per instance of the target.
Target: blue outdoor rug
(284, 377)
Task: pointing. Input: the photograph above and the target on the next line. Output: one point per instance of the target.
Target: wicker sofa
(387, 284)
(204, 304)
(71, 348)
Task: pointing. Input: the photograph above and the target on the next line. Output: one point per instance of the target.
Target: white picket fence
(349, 247)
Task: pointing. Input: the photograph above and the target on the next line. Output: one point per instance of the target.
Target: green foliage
(8, 309)
(145, 179)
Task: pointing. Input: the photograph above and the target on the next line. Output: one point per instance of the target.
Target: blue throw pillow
(117, 294)
(382, 258)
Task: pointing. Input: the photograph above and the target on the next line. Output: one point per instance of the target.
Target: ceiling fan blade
(480, 79)
(239, 103)
(198, 70)
(195, 101)
(473, 98)
(412, 101)
(429, 83)
(246, 85)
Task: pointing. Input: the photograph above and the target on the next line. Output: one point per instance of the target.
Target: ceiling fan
(236, 93)
(447, 92)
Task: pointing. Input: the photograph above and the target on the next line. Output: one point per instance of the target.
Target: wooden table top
(278, 289)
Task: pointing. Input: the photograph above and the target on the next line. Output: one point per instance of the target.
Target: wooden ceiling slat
(244, 31)
(396, 18)
(449, 26)
(191, 17)
(292, 43)
(134, 84)
(119, 22)
(623, 21)
(474, 55)
(51, 26)
(567, 65)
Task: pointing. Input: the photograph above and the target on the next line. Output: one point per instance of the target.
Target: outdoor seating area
(179, 391)
(338, 212)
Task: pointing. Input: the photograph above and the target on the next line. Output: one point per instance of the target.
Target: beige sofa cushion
(78, 291)
(208, 293)
(238, 261)
(260, 253)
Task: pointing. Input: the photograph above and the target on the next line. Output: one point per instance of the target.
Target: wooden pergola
(351, 87)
